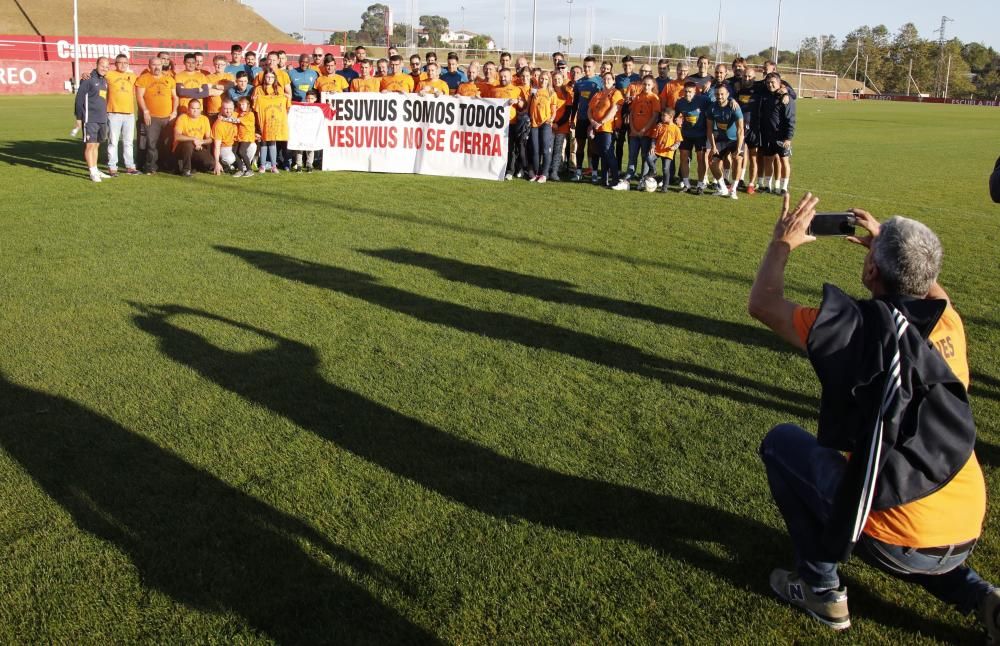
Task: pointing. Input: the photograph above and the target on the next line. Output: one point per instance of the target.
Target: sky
(751, 30)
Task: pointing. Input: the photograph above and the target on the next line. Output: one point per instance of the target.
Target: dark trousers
(621, 136)
(606, 152)
(541, 148)
(242, 150)
(154, 141)
(584, 145)
(188, 158)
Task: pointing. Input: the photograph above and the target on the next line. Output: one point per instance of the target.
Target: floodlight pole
(569, 27)
(718, 35)
(534, 25)
(777, 35)
(947, 77)
(76, 46)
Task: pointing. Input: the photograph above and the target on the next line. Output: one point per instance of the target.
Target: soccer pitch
(354, 408)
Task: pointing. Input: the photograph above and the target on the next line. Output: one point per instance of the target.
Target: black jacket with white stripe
(92, 99)
(890, 399)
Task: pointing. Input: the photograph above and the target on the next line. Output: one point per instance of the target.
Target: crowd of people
(564, 120)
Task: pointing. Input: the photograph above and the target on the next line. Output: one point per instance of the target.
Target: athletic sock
(819, 591)
(93, 170)
(770, 182)
(722, 184)
(784, 184)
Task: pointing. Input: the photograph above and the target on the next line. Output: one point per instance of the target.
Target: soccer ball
(649, 184)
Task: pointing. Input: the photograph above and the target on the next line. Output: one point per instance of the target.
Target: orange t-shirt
(665, 135)
(246, 130)
(511, 92)
(191, 81)
(543, 106)
(470, 88)
(436, 83)
(272, 114)
(213, 104)
(158, 94)
(397, 83)
(633, 90)
(643, 111)
(671, 92)
(121, 92)
(188, 126)
(373, 84)
(601, 104)
(485, 88)
(418, 77)
(954, 513)
(564, 99)
(225, 132)
(331, 83)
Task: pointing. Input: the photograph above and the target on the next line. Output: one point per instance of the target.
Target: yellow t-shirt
(643, 111)
(121, 92)
(191, 81)
(225, 132)
(188, 126)
(512, 92)
(665, 135)
(397, 83)
(543, 106)
(564, 99)
(281, 75)
(272, 114)
(246, 130)
(213, 104)
(469, 88)
(331, 83)
(954, 513)
(158, 94)
(372, 84)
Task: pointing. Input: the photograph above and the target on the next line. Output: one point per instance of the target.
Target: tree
(480, 41)
(400, 31)
(345, 38)
(564, 41)
(294, 35)
(675, 50)
(435, 26)
(596, 50)
(978, 56)
(373, 24)
(701, 50)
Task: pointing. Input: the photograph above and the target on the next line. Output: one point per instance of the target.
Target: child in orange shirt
(666, 140)
(542, 112)
(246, 138)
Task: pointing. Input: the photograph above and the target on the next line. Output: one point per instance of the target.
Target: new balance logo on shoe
(795, 592)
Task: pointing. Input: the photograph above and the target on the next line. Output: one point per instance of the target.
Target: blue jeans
(606, 152)
(558, 149)
(804, 477)
(121, 128)
(541, 148)
(637, 145)
(268, 155)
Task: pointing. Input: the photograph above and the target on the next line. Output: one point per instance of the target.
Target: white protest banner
(307, 126)
(407, 133)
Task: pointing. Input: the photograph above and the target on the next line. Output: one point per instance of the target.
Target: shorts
(694, 143)
(771, 148)
(95, 133)
(751, 138)
(725, 148)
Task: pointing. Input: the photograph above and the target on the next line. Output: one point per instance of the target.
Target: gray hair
(908, 256)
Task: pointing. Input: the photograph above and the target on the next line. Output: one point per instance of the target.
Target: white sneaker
(508, 177)
(622, 185)
(732, 194)
(95, 177)
(722, 192)
(103, 175)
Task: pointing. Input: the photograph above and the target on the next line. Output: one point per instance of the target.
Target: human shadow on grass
(190, 535)
(982, 385)
(530, 333)
(565, 293)
(53, 156)
(285, 379)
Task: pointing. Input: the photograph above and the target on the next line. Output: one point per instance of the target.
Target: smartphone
(833, 224)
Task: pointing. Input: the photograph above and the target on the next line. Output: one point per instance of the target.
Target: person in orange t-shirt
(191, 82)
(911, 498)
(515, 99)
(245, 145)
(603, 112)
(542, 111)
(675, 88)
(416, 74)
(667, 139)
(156, 94)
(643, 115)
(366, 82)
(471, 86)
(396, 80)
(433, 85)
(330, 81)
(562, 120)
(192, 138)
(219, 81)
(121, 115)
(224, 133)
(271, 105)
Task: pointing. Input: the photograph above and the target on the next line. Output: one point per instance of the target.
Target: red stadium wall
(42, 64)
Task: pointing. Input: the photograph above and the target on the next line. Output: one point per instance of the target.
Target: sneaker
(111, 173)
(295, 168)
(274, 169)
(553, 178)
(779, 191)
(722, 192)
(742, 185)
(732, 194)
(622, 185)
(697, 190)
(989, 613)
(629, 175)
(595, 178)
(540, 179)
(829, 608)
(577, 176)
(105, 175)
(508, 177)
(664, 189)
(132, 171)
(685, 188)
(186, 173)
(95, 177)
(534, 178)
(751, 189)
(308, 169)
(262, 171)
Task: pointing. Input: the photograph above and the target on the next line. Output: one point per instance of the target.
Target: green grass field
(371, 408)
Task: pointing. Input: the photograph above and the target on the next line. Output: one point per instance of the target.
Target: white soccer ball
(649, 184)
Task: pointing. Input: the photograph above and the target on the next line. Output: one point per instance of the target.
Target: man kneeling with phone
(908, 497)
